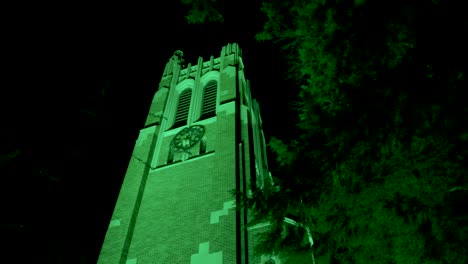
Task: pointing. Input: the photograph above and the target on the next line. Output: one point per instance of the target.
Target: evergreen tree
(379, 172)
(203, 11)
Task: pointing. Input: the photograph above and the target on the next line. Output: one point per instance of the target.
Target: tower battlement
(232, 51)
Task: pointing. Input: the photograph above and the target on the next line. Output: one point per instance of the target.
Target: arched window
(183, 107)
(209, 100)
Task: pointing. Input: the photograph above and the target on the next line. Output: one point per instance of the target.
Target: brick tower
(202, 138)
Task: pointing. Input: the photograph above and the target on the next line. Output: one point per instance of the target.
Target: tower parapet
(189, 71)
(232, 48)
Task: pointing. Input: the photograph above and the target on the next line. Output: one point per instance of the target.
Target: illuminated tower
(202, 138)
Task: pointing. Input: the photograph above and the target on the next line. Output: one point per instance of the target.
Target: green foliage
(381, 223)
(8, 157)
(378, 173)
(203, 11)
(284, 153)
(384, 152)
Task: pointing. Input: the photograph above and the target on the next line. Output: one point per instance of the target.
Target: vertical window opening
(183, 107)
(263, 150)
(209, 100)
(203, 146)
(170, 158)
(253, 169)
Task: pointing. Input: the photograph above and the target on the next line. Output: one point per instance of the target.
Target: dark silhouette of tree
(379, 172)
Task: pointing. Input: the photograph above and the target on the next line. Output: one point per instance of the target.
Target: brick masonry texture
(127, 199)
(175, 212)
(172, 208)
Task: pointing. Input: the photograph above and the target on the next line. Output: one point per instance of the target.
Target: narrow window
(170, 158)
(253, 169)
(209, 100)
(183, 107)
(203, 146)
(263, 151)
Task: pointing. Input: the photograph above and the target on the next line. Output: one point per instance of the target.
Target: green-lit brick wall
(178, 201)
(118, 231)
(183, 212)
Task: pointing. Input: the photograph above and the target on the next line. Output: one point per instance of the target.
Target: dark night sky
(74, 145)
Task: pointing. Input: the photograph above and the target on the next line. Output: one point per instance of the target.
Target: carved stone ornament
(187, 138)
(178, 57)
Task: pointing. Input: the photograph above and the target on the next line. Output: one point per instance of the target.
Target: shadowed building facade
(202, 138)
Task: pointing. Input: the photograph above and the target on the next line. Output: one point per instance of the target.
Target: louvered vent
(209, 100)
(183, 108)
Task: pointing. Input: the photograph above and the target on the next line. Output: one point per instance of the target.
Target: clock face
(188, 137)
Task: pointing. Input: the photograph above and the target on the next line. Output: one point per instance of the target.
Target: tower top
(177, 60)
